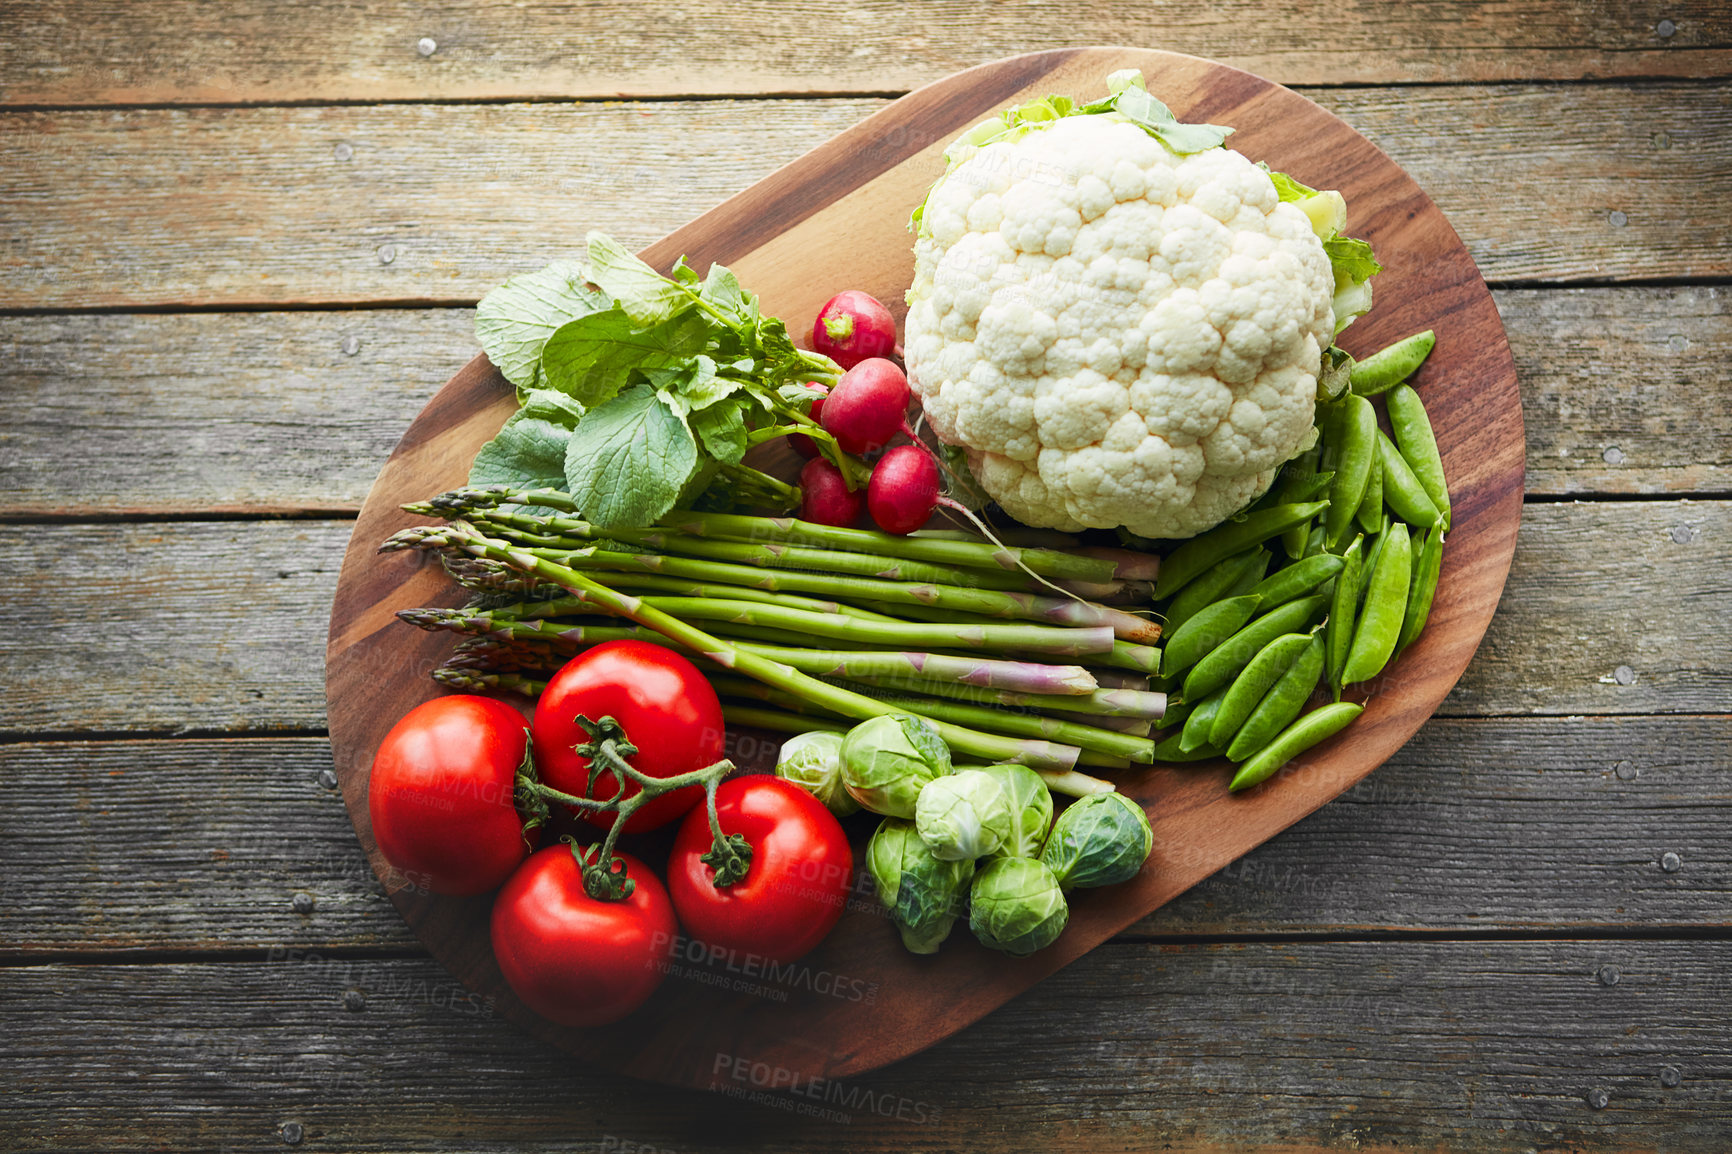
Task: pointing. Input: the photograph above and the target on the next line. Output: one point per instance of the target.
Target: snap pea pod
(1256, 679)
(1358, 449)
(1296, 580)
(1249, 576)
(1427, 564)
(1371, 554)
(1379, 624)
(1386, 368)
(1226, 659)
(1195, 735)
(1217, 582)
(1314, 727)
(1314, 543)
(1370, 513)
(1413, 436)
(1308, 462)
(1402, 491)
(1169, 751)
(1312, 486)
(1285, 699)
(1208, 628)
(1338, 633)
(1175, 714)
(1189, 560)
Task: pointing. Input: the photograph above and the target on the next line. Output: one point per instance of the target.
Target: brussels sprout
(813, 761)
(886, 761)
(1017, 906)
(965, 815)
(1030, 810)
(1098, 840)
(923, 894)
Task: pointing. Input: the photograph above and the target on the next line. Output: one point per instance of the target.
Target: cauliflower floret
(1117, 334)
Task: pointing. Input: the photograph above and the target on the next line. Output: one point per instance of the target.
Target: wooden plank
(274, 412)
(1502, 824)
(439, 203)
(293, 411)
(190, 845)
(228, 617)
(1439, 1046)
(176, 50)
(1613, 388)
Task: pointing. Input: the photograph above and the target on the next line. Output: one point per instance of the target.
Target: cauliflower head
(1117, 334)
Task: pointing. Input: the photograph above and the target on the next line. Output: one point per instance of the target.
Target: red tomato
(799, 878)
(669, 711)
(571, 958)
(440, 794)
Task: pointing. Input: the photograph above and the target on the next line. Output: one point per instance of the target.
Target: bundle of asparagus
(809, 626)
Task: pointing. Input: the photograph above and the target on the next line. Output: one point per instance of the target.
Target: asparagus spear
(571, 533)
(1026, 676)
(1128, 703)
(787, 530)
(1019, 724)
(1127, 655)
(465, 538)
(997, 638)
(982, 602)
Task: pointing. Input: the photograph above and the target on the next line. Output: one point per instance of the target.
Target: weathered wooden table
(240, 245)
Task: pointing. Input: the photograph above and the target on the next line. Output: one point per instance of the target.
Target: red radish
(868, 406)
(903, 490)
(853, 326)
(825, 499)
(801, 443)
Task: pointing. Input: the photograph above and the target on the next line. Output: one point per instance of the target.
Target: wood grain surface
(1495, 825)
(1294, 1046)
(853, 191)
(1595, 587)
(163, 982)
(170, 51)
(435, 204)
(289, 412)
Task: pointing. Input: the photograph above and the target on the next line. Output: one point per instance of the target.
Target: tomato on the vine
(572, 958)
(796, 886)
(667, 708)
(441, 794)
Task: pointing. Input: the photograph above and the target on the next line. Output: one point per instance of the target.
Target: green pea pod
(1313, 543)
(1169, 751)
(1256, 679)
(1297, 579)
(1329, 434)
(1427, 564)
(1386, 368)
(1285, 699)
(1317, 726)
(1195, 735)
(1338, 633)
(1371, 554)
(1300, 482)
(1174, 714)
(1248, 577)
(1370, 513)
(1189, 560)
(1214, 585)
(1379, 624)
(1226, 659)
(1401, 489)
(1208, 628)
(1413, 436)
(1358, 455)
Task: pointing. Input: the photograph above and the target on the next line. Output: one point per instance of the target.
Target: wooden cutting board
(837, 218)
